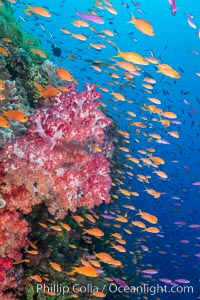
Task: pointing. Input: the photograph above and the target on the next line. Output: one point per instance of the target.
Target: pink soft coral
(53, 162)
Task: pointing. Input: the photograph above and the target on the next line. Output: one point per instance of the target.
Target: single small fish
(164, 142)
(49, 91)
(64, 74)
(191, 23)
(147, 217)
(125, 5)
(196, 183)
(94, 232)
(3, 51)
(173, 7)
(142, 25)
(35, 277)
(39, 52)
(32, 252)
(15, 115)
(119, 282)
(55, 266)
(99, 295)
(108, 217)
(165, 280)
(86, 270)
(149, 271)
(152, 229)
(182, 281)
(195, 226)
(56, 50)
(93, 18)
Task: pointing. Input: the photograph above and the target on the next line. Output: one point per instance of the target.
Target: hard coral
(53, 161)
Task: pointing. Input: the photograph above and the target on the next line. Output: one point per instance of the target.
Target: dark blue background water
(173, 41)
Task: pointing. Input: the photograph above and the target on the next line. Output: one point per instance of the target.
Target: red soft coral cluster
(13, 236)
(54, 161)
(5, 265)
(7, 281)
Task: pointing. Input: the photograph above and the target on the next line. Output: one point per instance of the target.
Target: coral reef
(59, 164)
(54, 165)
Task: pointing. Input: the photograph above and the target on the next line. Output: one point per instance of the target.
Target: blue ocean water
(172, 252)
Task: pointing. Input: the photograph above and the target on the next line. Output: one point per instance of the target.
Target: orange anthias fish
(21, 261)
(64, 74)
(66, 31)
(119, 248)
(152, 229)
(148, 217)
(79, 36)
(90, 218)
(175, 134)
(121, 219)
(99, 294)
(161, 174)
(49, 91)
(55, 266)
(15, 115)
(132, 57)
(3, 51)
(39, 52)
(115, 262)
(139, 224)
(117, 235)
(85, 270)
(142, 25)
(65, 226)
(118, 96)
(169, 114)
(105, 257)
(125, 192)
(157, 160)
(38, 11)
(32, 252)
(95, 232)
(35, 277)
(77, 218)
(56, 228)
(95, 263)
